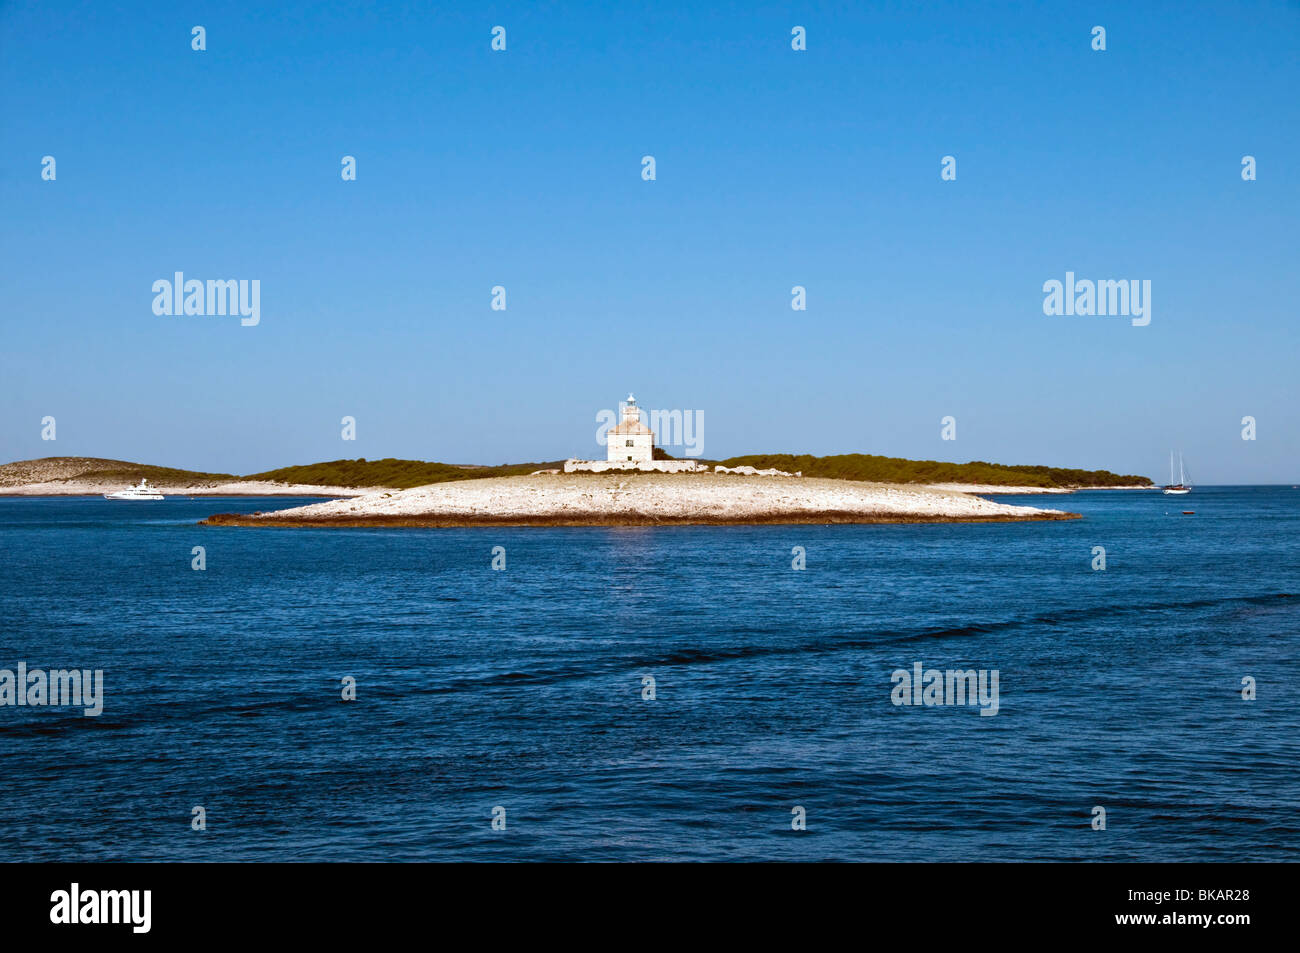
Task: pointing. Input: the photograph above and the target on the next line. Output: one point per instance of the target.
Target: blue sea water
(523, 688)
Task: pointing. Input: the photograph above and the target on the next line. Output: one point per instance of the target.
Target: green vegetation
(401, 474)
(863, 466)
(122, 471)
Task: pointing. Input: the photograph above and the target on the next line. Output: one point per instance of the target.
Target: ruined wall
(750, 471)
(642, 466)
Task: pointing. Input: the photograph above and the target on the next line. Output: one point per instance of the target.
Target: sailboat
(1182, 486)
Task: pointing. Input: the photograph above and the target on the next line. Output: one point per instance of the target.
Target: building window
(628, 444)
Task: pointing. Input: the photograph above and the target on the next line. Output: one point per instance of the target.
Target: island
(645, 499)
(637, 484)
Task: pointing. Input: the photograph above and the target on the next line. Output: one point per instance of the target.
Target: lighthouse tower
(630, 440)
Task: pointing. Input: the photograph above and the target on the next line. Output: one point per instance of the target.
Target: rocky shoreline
(993, 489)
(644, 500)
(233, 488)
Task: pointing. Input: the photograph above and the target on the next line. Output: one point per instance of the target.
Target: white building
(630, 440)
(630, 445)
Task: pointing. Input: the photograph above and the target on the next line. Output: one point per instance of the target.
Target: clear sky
(774, 168)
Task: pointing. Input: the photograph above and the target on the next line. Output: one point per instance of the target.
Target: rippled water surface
(523, 688)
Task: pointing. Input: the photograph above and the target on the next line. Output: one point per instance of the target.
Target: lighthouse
(630, 441)
(630, 446)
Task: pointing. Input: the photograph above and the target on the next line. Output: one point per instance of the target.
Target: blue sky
(775, 168)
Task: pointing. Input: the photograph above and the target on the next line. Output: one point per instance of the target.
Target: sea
(657, 694)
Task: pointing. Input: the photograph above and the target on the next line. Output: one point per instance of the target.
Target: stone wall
(641, 466)
(663, 466)
(750, 471)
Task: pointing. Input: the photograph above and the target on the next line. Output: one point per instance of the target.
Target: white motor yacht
(143, 492)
